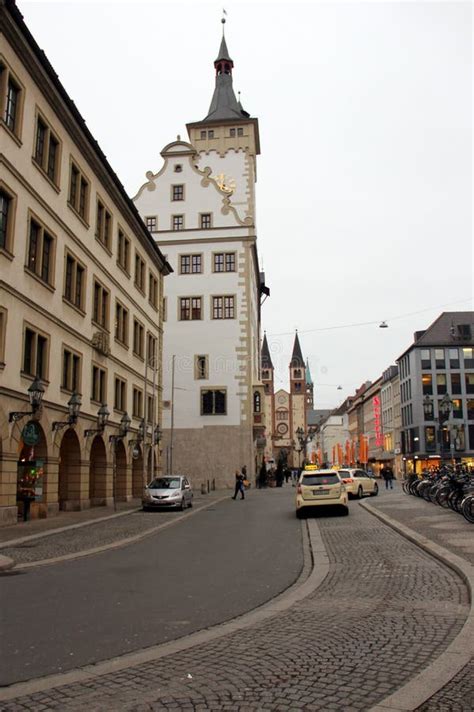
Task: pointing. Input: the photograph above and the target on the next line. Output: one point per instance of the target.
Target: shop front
(31, 471)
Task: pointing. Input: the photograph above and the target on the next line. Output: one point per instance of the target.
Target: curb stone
(457, 655)
(6, 563)
(314, 571)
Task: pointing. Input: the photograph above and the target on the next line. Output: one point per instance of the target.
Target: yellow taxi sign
(311, 467)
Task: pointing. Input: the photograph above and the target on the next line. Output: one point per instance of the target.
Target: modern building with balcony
(437, 393)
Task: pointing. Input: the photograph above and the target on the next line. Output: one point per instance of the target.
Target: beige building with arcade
(81, 286)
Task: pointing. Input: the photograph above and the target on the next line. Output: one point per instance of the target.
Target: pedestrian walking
(387, 474)
(239, 485)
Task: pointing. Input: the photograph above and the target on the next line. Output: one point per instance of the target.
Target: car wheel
(345, 511)
(190, 503)
(145, 509)
(360, 493)
(376, 490)
(182, 506)
(299, 514)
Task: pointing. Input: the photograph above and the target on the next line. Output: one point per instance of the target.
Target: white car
(359, 483)
(320, 488)
(170, 492)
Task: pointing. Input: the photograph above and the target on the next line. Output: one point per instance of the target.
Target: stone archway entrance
(137, 474)
(122, 490)
(69, 473)
(32, 486)
(98, 473)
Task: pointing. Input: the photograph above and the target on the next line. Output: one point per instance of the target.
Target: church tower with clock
(200, 208)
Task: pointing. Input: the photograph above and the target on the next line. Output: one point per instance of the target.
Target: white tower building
(200, 206)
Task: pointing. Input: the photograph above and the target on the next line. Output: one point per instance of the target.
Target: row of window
(457, 412)
(442, 356)
(210, 133)
(455, 440)
(441, 381)
(40, 261)
(177, 222)
(191, 308)
(46, 156)
(193, 263)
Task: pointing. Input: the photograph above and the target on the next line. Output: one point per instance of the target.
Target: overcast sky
(364, 192)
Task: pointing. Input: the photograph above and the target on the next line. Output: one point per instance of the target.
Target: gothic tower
(297, 398)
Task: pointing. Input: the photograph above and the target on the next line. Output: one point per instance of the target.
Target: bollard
(213, 486)
(208, 488)
(203, 488)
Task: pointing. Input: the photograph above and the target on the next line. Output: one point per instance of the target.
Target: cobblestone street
(383, 613)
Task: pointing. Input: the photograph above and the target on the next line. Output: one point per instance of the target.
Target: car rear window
(320, 480)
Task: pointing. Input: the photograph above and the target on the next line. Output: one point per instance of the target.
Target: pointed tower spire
(266, 357)
(224, 104)
(309, 380)
(309, 388)
(297, 360)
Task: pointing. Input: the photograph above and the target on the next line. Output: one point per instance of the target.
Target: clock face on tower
(282, 428)
(281, 399)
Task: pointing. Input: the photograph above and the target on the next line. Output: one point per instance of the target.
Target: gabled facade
(200, 207)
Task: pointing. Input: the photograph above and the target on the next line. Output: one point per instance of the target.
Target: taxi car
(320, 488)
(359, 482)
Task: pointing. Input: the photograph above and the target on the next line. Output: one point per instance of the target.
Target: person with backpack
(239, 485)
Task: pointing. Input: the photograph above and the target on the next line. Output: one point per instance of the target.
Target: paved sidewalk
(74, 533)
(451, 531)
(385, 611)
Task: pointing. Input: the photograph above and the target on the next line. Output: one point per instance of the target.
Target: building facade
(437, 393)
(391, 419)
(200, 207)
(81, 284)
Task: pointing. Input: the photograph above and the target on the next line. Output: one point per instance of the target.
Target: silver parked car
(171, 491)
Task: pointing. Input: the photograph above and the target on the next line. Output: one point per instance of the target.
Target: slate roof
(266, 358)
(297, 360)
(445, 331)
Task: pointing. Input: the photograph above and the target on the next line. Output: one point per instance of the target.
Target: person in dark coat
(262, 477)
(387, 474)
(239, 485)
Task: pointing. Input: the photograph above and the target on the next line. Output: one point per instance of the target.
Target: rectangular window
(427, 383)
(46, 154)
(137, 410)
(469, 382)
(201, 368)
(457, 408)
(74, 278)
(121, 324)
(223, 307)
(190, 308)
(138, 338)
(139, 272)
(190, 264)
(214, 401)
(120, 394)
(205, 220)
(210, 134)
(40, 252)
(425, 359)
(35, 354)
(470, 413)
(441, 383)
(79, 192)
(6, 220)
(164, 308)
(123, 252)
(240, 132)
(149, 409)
(71, 371)
(430, 438)
(232, 133)
(178, 222)
(153, 290)
(98, 385)
(468, 355)
(100, 311)
(439, 358)
(454, 358)
(151, 350)
(177, 192)
(11, 100)
(3, 329)
(224, 262)
(103, 225)
(456, 383)
(203, 135)
(151, 222)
